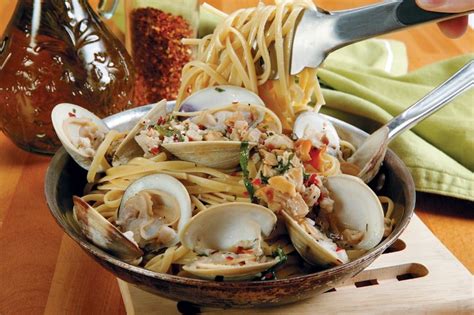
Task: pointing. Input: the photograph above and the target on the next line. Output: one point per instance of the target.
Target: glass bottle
(56, 51)
(154, 30)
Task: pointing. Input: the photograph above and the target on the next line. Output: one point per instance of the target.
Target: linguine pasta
(251, 48)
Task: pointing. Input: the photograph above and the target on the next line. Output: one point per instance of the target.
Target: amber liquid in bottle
(58, 51)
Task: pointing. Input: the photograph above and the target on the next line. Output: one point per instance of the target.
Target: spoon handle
(433, 101)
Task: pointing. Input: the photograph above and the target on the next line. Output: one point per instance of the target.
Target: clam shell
(171, 187)
(216, 154)
(357, 207)
(222, 226)
(308, 248)
(370, 154)
(217, 96)
(104, 234)
(129, 148)
(59, 115)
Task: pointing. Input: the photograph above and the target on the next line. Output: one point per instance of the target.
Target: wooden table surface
(43, 271)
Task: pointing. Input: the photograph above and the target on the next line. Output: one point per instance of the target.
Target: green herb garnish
(282, 167)
(264, 179)
(218, 89)
(306, 176)
(270, 274)
(244, 161)
(280, 254)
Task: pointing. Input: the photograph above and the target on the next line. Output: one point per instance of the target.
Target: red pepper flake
(312, 180)
(155, 150)
(71, 114)
(242, 263)
(201, 127)
(257, 182)
(241, 250)
(158, 53)
(338, 249)
(269, 276)
(229, 258)
(161, 121)
(246, 194)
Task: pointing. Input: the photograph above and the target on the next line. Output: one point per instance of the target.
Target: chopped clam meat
(279, 142)
(311, 195)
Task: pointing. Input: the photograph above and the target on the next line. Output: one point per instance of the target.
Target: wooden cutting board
(417, 274)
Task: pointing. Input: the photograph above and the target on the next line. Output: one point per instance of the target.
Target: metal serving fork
(320, 32)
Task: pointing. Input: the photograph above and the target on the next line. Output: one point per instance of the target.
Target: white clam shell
(59, 115)
(357, 207)
(218, 96)
(222, 226)
(311, 123)
(171, 187)
(129, 148)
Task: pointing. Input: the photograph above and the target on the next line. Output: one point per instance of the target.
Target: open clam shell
(79, 131)
(220, 154)
(165, 204)
(221, 228)
(356, 207)
(314, 126)
(129, 148)
(104, 234)
(218, 96)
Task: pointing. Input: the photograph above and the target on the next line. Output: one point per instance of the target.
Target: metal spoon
(369, 156)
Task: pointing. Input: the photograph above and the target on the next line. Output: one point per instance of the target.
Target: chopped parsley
(264, 179)
(283, 167)
(306, 176)
(280, 254)
(218, 89)
(270, 273)
(167, 132)
(244, 161)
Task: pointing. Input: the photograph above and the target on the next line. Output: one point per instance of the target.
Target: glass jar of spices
(154, 30)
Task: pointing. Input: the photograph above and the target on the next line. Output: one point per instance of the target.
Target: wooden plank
(436, 282)
(76, 271)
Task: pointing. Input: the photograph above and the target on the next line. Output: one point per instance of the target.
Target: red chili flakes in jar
(158, 53)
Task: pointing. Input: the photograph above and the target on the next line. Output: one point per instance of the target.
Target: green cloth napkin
(367, 85)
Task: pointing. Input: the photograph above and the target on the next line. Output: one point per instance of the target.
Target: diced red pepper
(257, 182)
(315, 155)
(155, 150)
(312, 180)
